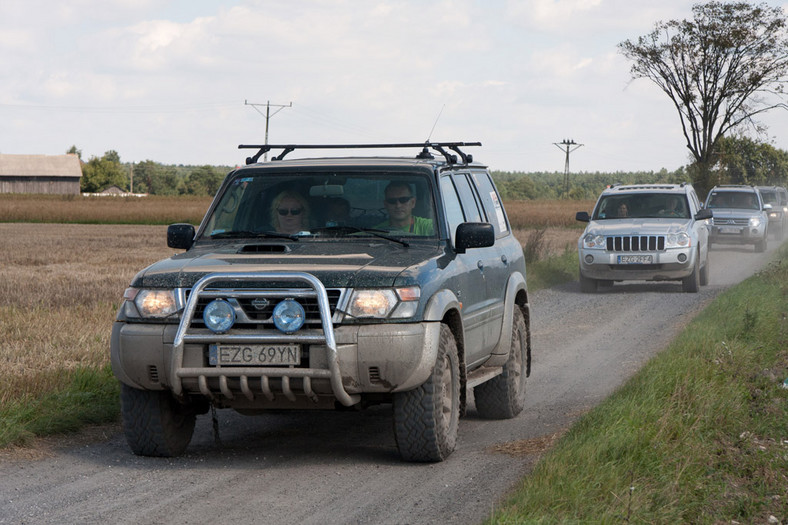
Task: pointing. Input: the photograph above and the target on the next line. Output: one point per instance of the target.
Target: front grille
(257, 309)
(636, 243)
(720, 221)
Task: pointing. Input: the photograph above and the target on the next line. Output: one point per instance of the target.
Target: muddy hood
(337, 264)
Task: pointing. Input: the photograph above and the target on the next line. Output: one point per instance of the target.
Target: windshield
(321, 205)
(642, 206)
(769, 197)
(745, 200)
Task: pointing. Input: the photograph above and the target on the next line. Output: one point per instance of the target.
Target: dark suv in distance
(777, 198)
(330, 283)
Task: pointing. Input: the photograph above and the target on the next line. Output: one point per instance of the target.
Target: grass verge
(699, 435)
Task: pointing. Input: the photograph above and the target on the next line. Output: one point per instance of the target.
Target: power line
(567, 145)
(268, 116)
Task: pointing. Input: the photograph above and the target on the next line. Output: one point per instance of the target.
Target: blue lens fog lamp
(219, 316)
(289, 316)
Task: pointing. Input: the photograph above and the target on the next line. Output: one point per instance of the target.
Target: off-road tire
(691, 283)
(587, 285)
(426, 419)
(154, 423)
(703, 278)
(503, 397)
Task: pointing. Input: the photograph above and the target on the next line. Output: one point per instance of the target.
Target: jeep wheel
(154, 423)
(691, 283)
(704, 272)
(426, 418)
(587, 285)
(503, 396)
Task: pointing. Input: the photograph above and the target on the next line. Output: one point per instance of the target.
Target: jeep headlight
(677, 240)
(773, 215)
(156, 304)
(398, 303)
(593, 240)
(755, 222)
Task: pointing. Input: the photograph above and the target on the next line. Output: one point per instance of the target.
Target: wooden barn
(56, 174)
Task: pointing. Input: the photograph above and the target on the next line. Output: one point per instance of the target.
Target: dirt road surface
(327, 468)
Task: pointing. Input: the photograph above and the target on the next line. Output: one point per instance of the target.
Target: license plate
(730, 229)
(634, 259)
(254, 355)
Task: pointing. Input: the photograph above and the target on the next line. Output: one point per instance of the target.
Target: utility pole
(568, 145)
(268, 116)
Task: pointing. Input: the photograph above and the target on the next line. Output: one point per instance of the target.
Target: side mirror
(582, 216)
(767, 207)
(180, 236)
(473, 235)
(703, 214)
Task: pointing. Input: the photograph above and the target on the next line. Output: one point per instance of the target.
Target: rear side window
(491, 202)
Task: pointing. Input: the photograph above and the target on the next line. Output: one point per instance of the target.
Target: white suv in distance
(652, 232)
(777, 196)
(740, 216)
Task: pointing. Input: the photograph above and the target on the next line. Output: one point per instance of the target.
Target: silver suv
(740, 216)
(777, 197)
(652, 232)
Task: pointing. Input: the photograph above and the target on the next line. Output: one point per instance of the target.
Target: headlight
(152, 303)
(592, 240)
(399, 303)
(773, 215)
(219, 316)
(677, 240)
(755, 222)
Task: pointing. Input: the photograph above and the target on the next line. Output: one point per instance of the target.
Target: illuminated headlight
(219, 316)
(755, 222)
(152, 303)
(677, 240)
(773, 215)
(399, 303)
(594, 241)
(289, 316)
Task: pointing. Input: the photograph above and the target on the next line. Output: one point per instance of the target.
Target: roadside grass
(699, 435)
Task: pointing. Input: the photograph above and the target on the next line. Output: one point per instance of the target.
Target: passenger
(671, 208)
(290, 212)
(399, 202)
(623, 211)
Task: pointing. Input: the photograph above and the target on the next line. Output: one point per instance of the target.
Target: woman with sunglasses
(290, 212)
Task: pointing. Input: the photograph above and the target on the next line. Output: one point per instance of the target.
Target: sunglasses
(291, 211)
(401, 200)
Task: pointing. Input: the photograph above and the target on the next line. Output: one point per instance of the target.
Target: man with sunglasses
(399, 202)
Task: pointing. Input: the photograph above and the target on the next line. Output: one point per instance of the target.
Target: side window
(454, 214)
(491, 202)
(468, 199)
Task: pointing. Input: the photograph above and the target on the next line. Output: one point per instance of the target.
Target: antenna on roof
(429, 137)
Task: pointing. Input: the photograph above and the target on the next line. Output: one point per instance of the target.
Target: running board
(480, 375)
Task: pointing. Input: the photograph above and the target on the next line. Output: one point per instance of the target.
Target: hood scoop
(264, 248)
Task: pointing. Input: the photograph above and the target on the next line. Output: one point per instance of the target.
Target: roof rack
(440, 147)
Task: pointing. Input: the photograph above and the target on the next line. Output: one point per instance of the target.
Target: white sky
(166, 80)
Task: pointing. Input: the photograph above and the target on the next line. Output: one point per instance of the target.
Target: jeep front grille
(733, 221)
(636, 243)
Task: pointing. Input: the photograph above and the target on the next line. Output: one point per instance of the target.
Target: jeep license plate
(634, 259)
(254, 355)
(730, 230)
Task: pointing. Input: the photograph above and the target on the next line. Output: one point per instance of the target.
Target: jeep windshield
(264, 204)
(642, 206)
(745, 200)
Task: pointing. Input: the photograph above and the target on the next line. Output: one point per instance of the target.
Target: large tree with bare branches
(721, 69)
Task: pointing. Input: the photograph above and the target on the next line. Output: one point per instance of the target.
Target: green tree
(741, 160)
(101, 173)
(74, 151)
(204, 180)
(156, 179)
(721, 70)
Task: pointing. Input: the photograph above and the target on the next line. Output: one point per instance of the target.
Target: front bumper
(726, 234)
(669, 265)
(338, 363)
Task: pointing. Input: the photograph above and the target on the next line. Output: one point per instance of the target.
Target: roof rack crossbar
(437, 146)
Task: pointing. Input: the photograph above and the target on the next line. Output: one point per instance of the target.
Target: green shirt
(418, 226)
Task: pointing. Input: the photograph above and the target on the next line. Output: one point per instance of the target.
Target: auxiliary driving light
(219, 316)
(289, 316)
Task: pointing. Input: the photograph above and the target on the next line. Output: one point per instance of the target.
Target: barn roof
(40, 166)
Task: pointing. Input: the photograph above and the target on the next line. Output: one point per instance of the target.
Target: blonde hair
(295, 196)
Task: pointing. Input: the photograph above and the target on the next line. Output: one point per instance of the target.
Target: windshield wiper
(245, 234)
(355, 229)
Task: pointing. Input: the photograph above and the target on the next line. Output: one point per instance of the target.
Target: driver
(399, 202)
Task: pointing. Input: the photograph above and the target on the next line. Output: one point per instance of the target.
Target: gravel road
(326, 468)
